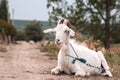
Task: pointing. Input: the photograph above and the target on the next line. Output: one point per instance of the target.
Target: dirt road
(24, 61)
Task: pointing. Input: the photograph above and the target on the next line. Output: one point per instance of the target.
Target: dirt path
(24, 61)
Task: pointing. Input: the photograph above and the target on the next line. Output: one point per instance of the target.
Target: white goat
(74, 58)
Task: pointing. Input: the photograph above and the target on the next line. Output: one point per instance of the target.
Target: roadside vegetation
(112, 57)
(51, 49)
(32, 31)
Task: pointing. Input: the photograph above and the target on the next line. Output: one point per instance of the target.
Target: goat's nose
(57, 40)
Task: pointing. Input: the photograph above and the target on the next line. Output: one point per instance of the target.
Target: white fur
(62, 34)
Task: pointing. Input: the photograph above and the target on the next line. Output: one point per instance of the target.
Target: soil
(24, 61)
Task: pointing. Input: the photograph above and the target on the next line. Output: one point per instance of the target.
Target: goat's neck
(65, 47)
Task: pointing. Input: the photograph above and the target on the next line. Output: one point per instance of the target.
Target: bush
(20, 36)
(33, 31)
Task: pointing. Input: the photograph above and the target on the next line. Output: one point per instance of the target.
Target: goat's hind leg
(80, 72)
(104, 64)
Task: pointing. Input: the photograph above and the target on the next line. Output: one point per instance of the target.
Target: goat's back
(89, 55)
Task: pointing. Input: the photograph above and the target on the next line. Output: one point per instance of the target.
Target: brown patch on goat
(65, 21)
(61, 21)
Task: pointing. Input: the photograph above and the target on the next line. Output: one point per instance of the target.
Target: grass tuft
(2, 46)
(2, 49)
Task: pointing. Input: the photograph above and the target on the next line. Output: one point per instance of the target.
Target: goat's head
(62, 33)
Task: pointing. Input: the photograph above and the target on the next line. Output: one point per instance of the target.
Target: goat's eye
(66, 31)
(53, 32)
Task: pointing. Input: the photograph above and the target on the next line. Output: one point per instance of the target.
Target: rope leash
(79, 59)
(84, 61)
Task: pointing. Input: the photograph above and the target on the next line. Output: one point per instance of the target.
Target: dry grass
(91, 44)
(115, 48)
(113, 58)
(51, 49)
(3, 47)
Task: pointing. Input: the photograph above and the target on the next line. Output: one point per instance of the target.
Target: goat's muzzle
(57, 42)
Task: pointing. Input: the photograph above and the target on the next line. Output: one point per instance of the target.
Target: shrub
(20, 35)
(33, 31)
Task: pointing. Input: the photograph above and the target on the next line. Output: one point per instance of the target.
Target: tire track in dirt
(25, 63)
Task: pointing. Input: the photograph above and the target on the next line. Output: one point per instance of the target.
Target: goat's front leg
(79, 71)
(56, 70)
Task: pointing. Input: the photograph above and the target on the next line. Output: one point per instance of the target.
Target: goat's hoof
(87, 74)
(107, 74)
(54, 72)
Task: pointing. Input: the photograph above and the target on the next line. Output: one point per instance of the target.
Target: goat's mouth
(58, 43)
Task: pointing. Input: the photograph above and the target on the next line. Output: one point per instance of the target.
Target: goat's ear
(67, 22)
(72, 33)
(49, 31)
(61, 21)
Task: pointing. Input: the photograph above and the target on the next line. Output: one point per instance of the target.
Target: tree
(10, 31)
(104, 9)
(3, 24)
(7, 31)
(33, 31)
(4, 10)
(4, 15)
(92, 12)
